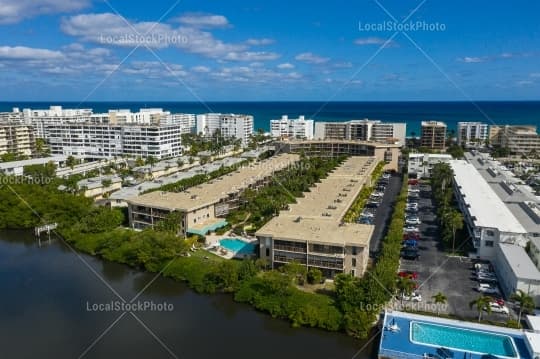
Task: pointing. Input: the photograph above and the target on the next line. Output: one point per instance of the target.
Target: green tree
(139, 162)
(106, 183)
(227, 272)
(438, 299)
(296, 271)
(180, 163)
(525, 301)
(455, 220)
(151, 160)
(314, 276)
(41, 174)
(247, 269)
(405, 286)
(481, 303)
(41, 147)
(71, 162)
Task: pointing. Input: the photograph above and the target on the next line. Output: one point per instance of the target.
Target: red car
(413, 182)
(411, 235)
(408, 274)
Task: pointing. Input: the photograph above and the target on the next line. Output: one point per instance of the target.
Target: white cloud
(154, 69)
(110, 29)
(285, 66)
(200, 69)
(311, 58)
(28, 53)
(13, 11)
(472, 60)
(342, 65)
(375, 41)
(259, 42)
(200, 20)
(535, 75)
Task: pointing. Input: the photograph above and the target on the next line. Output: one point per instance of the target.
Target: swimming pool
(468, 340)
(237, 246)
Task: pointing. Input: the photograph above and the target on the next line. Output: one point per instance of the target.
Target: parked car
(412, 210)
(367, 214)
(413, 297)
(411, 228)
(411, 235)
(410, 243)
(413, 181)
(498, 308)
(408, 274)
(412, 220)
(364, 220)
(486, 278)
(411, 254)
(386, 175)
(487, 288)
(413, 189)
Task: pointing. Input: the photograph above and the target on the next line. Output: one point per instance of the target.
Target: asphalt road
(384, 213)
(438, 272)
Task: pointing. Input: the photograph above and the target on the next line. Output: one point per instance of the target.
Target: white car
(412, 221)
(497, 308)
(411, 228)
(412, 205)
(487, 289)
(413, 190)
(413, 297)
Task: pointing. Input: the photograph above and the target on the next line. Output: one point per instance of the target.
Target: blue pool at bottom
(462, 339)
(237, 246)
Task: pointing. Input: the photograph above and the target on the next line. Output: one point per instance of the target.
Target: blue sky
(85, 50)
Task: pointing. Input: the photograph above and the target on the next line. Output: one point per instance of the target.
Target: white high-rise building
(230, 125)
(470, 133)
(292, 127)
(361, 130)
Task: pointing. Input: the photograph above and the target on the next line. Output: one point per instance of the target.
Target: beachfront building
(286, 127)
(202, 208)
(421, 164)
(90, 140)
(98, 187)
(17, 138)
(389, 153)
(472, 133)
(519, 139)
(433, 135)
(361, 130)
(311, 231)
(229, 125)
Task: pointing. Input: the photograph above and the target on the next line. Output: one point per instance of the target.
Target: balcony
(289, 248)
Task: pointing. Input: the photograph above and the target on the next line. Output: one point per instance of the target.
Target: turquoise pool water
(237, 246)
(462, 339)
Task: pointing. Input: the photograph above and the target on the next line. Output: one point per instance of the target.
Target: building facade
(361, 130)
(296, 128)
(472, 133)
(17, 138)
(229, 125)
(518, 139)
(433, 135)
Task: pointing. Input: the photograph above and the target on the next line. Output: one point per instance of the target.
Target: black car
(410, 253)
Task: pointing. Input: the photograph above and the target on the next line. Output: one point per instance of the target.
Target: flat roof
(317, 216)
(216, 189)
(349, 142)
(534, 322)
(485, 205)
(520, 262)
(33, 161)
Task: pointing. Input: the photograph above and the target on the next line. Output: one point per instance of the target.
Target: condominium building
(433, 135)
(286, 127)
(389, 153)
(421, 164)
(92, 140)
(229, 125)
(518, 139)
(472, 133)
(203, 208)
(311, 231)
(361, 130)
(17, 139)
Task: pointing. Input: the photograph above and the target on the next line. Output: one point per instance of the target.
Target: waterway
(51, 307)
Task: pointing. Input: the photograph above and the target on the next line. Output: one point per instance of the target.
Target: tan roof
(217, 189)
(337, 142)
(318, 215)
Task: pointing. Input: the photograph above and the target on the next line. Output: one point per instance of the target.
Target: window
(268, 252)
(354, 251)
(490, 233)
(354, 262)
(489, 243)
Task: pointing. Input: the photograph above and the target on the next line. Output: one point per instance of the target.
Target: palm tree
(456, 223)
(481, 303)
(71, 162)
(439, 298)
(525, 301)
(405, 286)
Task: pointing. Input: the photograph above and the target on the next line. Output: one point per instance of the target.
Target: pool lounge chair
(445, 353)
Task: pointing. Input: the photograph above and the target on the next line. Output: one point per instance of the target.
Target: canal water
(54, 303)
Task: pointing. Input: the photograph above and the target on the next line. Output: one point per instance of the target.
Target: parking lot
(438, 272)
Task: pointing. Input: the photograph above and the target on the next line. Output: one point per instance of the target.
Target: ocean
(490, 112)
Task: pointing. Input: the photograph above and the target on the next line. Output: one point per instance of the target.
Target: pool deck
(212, 244)
(397, 344)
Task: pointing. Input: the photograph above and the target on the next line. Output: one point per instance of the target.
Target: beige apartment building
(17, 138)
(518, 139)
(204, 207)
(433, 135)
(312, 232)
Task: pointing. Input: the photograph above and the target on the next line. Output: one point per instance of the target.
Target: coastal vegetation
(360, 201)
